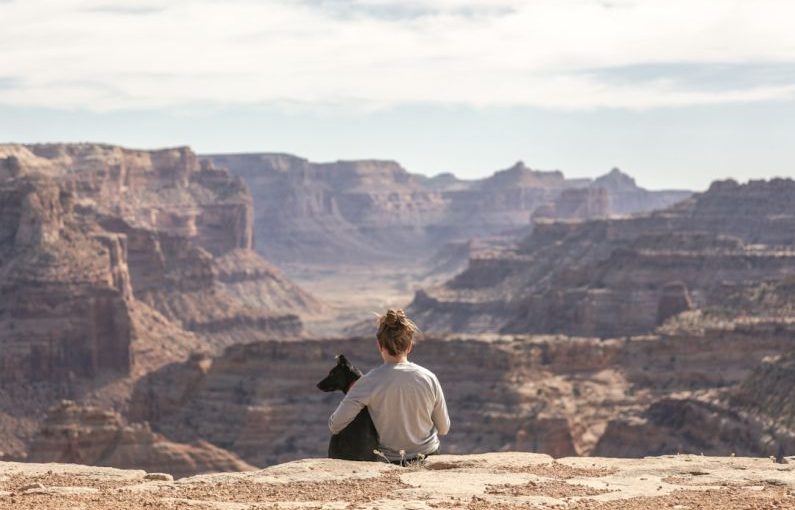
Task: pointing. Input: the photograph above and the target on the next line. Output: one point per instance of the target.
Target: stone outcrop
(506, 480)
(552, 394)
(577, 203)
(115, 262)
(747, 412)
(182, 232)
(374, 211)
(89, 435)
(622, 276)
(65, 294)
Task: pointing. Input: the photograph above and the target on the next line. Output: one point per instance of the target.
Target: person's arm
(349, 408)
(439, 416)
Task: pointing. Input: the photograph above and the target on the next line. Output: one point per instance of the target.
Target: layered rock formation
(745, 413)
(65, 293)
(114, 262)
(179, 233)
(133, 271)
(622, 276)
(89, 435)
(374, 211)
(552, 394)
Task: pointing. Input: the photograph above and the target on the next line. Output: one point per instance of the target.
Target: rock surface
(115, 262)
(623, 276)
(373, 211)
(504, 481)
(89, 435)
(551, 394)
(179, 233)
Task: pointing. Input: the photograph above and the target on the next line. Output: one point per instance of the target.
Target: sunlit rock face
(178, 235)
(622, 276)
(65, 292)
(370, 211)
(114, 262)
(553, 394)
(72, 433)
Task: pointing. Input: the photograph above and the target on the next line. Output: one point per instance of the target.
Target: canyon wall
(65, 293)
(622, 276)
(184, 233)
(553, 394)
(114, 262)
(373, 211)
(89, 435)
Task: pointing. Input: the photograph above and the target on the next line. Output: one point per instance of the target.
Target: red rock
(90, 435)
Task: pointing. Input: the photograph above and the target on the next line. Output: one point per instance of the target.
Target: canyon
(553, 394)
(353, 212)
(379, 230)
(162, 312)
(623, 276)
(114, 262)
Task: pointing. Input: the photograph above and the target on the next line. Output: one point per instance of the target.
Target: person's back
(405, 400)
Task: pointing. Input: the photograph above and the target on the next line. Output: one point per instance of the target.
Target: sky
(677, 93)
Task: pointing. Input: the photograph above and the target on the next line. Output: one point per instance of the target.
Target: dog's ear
(342, 360)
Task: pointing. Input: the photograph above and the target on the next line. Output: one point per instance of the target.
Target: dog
(358, 440)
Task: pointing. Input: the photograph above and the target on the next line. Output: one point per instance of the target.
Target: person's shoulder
(422, 370)
(373, 372)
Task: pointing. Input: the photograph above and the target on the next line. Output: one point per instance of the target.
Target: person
(405, 400)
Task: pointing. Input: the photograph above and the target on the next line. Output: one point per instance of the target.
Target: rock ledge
(509, 481)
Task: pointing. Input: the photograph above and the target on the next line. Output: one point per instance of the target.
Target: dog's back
(359, 439)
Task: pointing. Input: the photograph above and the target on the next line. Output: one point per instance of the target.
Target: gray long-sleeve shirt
(406, 403)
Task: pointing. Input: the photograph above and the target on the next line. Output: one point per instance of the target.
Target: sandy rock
(94, 436)
(499, 480)
(161, 477)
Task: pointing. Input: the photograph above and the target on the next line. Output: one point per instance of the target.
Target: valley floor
(353, 295)
(508, 481)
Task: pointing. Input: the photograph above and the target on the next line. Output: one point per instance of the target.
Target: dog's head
(341, 377)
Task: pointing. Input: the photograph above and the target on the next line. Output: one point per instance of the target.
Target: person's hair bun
(394, 318)
(395, 331)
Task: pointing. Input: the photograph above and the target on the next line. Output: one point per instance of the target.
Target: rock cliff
(89, 435)
(504, 481)
(622, 276)
(65, 293)
(373, 211)
(115, 262)
(552, 394)
(183, 233)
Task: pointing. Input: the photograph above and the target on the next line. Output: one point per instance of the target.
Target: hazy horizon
(675, 93)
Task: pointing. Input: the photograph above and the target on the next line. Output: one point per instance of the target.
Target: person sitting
(405, 400)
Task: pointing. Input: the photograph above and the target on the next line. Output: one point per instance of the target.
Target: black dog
(358, 440)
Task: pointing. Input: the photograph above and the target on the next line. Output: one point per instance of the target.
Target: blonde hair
(395, 332)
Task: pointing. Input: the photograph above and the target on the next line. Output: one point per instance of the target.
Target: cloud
(369, 54)
(124, 9)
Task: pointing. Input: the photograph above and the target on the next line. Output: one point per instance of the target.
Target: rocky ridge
(372, 211)
(178, 236)
(553, 394)
(622, 276)
(114, 262)
(72, 433)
